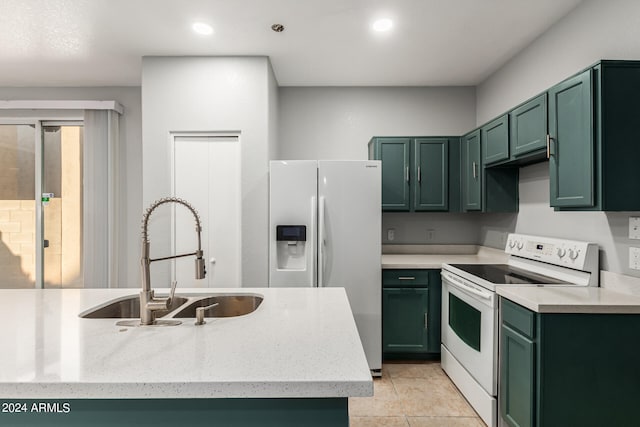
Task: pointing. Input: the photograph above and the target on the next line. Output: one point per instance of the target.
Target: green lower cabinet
(517, 392)
(411, 302)
(572, 370)
(405, 320)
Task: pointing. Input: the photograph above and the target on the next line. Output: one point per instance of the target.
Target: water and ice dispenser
(291, 247)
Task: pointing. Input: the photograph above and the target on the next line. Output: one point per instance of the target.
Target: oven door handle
(463, 287)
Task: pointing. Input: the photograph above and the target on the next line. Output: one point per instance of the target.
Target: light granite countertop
(300, 342)
(432, 257)
(571, 299)
(618, 294)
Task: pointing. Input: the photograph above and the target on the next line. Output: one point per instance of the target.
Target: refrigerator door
(349, 243)
(292, 223)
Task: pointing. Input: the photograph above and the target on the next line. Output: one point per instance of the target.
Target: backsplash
(431, 228)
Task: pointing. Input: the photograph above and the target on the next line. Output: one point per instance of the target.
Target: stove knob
(561, 252)
(520, 245)
(512, 244)
(573, 254)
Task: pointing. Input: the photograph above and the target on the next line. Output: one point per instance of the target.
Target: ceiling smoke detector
(278, 28)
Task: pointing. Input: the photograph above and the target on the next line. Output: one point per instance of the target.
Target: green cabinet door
(431, 166)
(434, 332)
(405, 320)
(528, 124)
(471, 181)
(495, 140)
(517, 383)
(571, 161)
(395, 156)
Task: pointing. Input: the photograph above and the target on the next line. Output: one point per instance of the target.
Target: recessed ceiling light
(202, 28)
(382, 25)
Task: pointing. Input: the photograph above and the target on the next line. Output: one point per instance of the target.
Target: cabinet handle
(406, 278)
(426, 321)
(548, 146)
(406, 173)
(475, 175)
(419, 175)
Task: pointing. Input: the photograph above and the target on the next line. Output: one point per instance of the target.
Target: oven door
(469, 328)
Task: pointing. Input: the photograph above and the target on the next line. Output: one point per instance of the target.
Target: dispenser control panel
(291, 233)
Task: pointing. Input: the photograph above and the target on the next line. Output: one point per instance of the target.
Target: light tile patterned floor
(413, 395)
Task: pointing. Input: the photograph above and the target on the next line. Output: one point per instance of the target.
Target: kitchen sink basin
(127, 308)
(182, 306)
(228, 306)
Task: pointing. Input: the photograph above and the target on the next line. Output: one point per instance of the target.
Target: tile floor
(413, 395)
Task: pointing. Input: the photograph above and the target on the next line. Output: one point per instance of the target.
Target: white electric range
(470, 315)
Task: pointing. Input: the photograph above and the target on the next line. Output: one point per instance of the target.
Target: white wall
(338, 122)
(130, 161)
(594, 30)
(210, 94)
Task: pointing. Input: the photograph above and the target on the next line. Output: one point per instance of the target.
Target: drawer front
(405, 278)
(518, 318)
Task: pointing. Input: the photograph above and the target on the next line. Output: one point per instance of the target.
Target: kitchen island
(293, 361)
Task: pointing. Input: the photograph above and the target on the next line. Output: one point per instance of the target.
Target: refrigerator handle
(321, 254)
(311, 256)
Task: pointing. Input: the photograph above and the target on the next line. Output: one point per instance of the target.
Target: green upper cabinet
(571, 165)
(471, 173)
(593, 128)
(495, 140)
(431, 165)
(395, 154)
(528, 129)
(416, 172)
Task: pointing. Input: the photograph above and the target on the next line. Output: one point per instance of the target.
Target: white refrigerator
(325, 231)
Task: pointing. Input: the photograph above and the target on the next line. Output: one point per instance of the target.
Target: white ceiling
(325, 42)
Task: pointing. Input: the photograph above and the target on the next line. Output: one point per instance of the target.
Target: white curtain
(100, 194)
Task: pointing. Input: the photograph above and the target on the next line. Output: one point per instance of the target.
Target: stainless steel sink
(182, 306)
(227, 306)
(126, 308)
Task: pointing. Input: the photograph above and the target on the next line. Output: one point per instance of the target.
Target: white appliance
(325, 222)
(470, 315)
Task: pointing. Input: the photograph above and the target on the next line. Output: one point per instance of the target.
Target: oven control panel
(567, 253)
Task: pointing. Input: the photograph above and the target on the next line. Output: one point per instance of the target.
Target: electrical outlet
(634, 227)
(431, 234)
(391, 234)
(634, 258)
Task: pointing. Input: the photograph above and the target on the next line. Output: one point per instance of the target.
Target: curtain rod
(61, 105)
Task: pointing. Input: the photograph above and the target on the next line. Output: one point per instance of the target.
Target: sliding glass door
(62, 205)
(17, 206)
(41, 205)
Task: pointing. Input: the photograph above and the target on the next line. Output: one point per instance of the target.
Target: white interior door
(206, 173)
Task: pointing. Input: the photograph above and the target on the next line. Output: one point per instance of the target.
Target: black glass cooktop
(505, 274)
